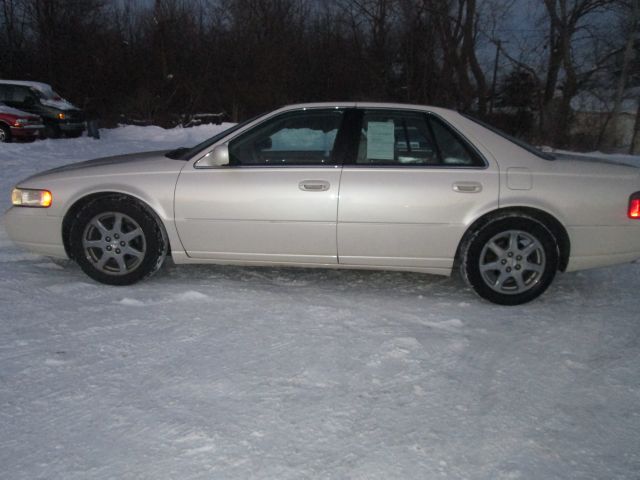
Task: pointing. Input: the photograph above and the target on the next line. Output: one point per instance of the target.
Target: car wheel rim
(3, 135)
(114, 243)
(512, 262)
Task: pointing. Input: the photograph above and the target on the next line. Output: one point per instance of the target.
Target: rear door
(409, 194)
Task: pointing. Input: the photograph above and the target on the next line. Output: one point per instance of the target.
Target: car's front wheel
(510, 260)
(5, 134)
(116, 241)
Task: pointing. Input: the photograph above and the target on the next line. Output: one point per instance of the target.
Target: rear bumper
(34, 230)
(593, 247)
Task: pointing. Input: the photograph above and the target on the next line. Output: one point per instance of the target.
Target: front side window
(22, 95)
(397, 138)
(298, 138)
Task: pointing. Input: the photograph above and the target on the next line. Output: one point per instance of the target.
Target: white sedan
(344, 185)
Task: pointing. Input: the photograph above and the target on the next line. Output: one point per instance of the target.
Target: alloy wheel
(512, 262)
(114, 243)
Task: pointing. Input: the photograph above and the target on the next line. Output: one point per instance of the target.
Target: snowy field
(208, 372)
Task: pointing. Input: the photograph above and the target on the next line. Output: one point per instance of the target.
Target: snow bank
(211, 372)
(23, 159)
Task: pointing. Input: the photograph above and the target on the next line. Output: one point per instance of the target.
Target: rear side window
(5, 93)
(395, 138)
(454, 150)
(405, 138)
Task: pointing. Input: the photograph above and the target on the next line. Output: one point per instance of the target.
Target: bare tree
(13, 21)
(631, 19)
(565, 19)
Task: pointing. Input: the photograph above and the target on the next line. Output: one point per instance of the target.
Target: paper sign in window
(380, 141)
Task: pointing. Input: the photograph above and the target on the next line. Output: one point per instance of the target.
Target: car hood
(14, 111)
(59, 104)
(136, 163)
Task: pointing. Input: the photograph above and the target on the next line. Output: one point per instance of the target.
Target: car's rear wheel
(5, 134)
(116, 241)
(511, 260)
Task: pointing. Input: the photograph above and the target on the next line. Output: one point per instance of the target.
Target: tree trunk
(634, 149)
(612, 123)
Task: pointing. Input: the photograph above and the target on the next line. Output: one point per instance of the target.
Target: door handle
(467, 187)
(314, 186)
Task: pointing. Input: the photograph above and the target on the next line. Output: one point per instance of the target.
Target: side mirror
(218, 157)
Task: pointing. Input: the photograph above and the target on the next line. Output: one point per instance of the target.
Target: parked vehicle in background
(344, 185)
(60, 117)
(18, 125)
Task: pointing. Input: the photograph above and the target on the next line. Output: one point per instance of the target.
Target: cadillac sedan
(345, 185)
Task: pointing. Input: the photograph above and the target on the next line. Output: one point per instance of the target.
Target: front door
(277, 200)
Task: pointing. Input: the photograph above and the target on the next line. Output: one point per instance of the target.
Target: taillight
(634, 206)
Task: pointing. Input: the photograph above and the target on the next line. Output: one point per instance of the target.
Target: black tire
(51, 131)
(5, 134)
(510, 260)
(74, 134)
(134, 246)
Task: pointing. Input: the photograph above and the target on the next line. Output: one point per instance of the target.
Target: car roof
(43, 87)
(351, 104)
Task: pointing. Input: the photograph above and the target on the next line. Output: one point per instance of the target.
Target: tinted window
(405, 138)
(453, 150)
(20, 94)
(5, 93)
(300, 138)
(396, 138)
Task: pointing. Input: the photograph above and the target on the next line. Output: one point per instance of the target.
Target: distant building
(594, 123)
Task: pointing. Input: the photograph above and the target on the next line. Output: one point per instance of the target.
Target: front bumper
(34, 230)
(71, 126)
(27, 131)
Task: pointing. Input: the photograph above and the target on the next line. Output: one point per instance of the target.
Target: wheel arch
(549, 221)
(85, 200)
(6, 126)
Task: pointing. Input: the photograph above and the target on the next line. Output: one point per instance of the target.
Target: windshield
(521, 143)
(183, 153)
(46, 94)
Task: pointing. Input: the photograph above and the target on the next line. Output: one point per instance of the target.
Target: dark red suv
(18, 125)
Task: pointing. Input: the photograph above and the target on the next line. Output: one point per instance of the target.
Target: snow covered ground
(208, 372)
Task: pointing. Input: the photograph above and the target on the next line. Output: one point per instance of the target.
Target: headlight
(61, 116)
(23, 197)
(21, 121)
